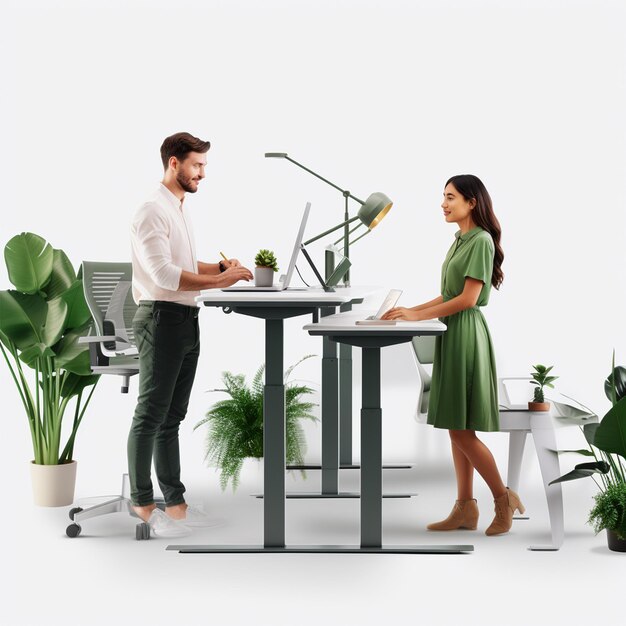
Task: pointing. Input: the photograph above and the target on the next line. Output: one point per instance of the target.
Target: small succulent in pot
(266, 258)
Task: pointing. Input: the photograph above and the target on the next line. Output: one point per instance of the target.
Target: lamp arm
(348, 234)
(367, 232)
(306, 169)
(331, 230)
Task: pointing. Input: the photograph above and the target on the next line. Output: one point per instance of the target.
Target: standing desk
(274, 308)
(341, 328)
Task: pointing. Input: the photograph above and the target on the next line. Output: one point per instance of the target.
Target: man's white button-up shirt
(163, 245)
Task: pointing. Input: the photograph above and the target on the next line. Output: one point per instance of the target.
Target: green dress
(464, 393)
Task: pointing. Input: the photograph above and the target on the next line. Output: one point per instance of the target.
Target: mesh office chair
(112, 350)
(518, 421)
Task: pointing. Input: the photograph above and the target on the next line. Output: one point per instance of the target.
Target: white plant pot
(263, 276)
(53, 485)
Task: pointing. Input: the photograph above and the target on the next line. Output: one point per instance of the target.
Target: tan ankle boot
(463, 515)
(505, 506)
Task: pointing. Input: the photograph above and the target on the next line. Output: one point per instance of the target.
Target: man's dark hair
(180, 145)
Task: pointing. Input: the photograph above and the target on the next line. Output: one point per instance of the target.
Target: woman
(463, 394)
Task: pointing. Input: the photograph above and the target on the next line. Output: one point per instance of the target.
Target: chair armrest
(99, 339)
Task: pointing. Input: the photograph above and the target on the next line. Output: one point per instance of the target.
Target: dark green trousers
(168, 340)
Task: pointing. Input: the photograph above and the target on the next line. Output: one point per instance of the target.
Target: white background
(375, 96)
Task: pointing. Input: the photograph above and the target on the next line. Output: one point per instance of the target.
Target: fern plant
(235, 425)
(266, 258)
(610, 510)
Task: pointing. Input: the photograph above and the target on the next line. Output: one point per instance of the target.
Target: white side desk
(519, 422)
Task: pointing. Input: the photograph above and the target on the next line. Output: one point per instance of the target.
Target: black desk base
(316, 466)
(302, 495)
(389, 549)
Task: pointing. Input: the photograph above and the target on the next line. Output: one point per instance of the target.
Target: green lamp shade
(374, 209)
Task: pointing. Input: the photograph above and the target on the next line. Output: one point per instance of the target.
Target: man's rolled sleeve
(152, 232)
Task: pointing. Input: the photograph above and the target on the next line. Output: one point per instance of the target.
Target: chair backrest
(107, 288)
(424, 353)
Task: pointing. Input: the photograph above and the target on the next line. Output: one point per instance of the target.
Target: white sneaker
(195, 516)
(163, 525)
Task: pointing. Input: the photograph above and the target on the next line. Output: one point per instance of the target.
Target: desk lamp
(370, 214)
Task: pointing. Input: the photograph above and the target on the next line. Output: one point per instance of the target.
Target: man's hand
(231, 263)
(234, 273)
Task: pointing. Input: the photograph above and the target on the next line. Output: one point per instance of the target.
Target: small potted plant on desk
(607, 446)
(541, 380)
(266, 264)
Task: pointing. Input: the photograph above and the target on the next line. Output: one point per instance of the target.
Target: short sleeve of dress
(480, 261)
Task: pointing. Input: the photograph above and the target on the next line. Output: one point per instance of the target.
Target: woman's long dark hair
(472, 188)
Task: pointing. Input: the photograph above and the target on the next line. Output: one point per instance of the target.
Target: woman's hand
(402, 313)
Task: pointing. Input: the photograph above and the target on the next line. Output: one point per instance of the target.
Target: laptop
(282, 284)
(388, 303)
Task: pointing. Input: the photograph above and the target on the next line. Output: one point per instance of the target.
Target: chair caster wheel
(73, 530)
(73, 512)
(142, 531)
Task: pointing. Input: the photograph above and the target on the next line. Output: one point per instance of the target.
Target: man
(166, 279)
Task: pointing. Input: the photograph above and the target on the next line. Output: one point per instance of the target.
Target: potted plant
(265, 265)
(541, 380)
(607, 445)
(41, 321)
(236, 424)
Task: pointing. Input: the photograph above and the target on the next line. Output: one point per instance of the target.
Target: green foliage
(266, 258)
(615, 384)
(235, 424)
(541, 379)
(607, 444)
(609, 511)
(41, 322)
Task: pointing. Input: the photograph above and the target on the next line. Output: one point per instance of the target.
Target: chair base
(118, 504)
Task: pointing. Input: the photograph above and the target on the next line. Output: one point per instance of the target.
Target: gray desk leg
(371, 452)
(274, 438)
(345, 399)
(330, 415)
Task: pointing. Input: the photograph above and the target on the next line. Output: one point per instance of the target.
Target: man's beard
(185, 183)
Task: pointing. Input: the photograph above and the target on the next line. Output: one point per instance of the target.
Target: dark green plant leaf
(23, 317)
(619, 373)
(582, 470)
(55, 321)
(72, 356)
(78, 311)
(61, 277)
(35, 352)
(589, 430)
(73, 384)
(610, 435)
(29, 262)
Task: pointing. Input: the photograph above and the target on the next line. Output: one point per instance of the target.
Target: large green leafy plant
(41, 321)
(236, 424)
(607, 446)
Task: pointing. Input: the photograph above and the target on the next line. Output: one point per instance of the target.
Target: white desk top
(341, 295)
(347, 321)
